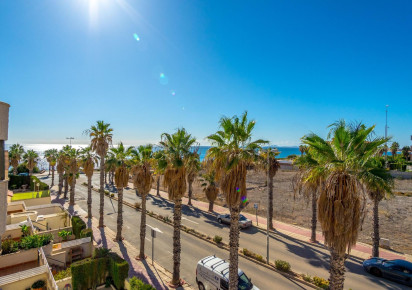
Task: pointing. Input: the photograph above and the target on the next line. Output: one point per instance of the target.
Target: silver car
(243, 221)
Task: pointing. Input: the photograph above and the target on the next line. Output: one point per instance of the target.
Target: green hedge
(78, 225)
(137, 284)
(34, 180)
(92, 272)
(16, 181)
(86, 233)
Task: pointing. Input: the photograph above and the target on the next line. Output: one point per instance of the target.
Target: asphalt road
(304, 257)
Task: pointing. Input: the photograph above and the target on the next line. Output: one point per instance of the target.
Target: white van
(213, 273)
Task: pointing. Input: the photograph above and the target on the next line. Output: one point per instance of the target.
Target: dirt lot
(395, 213)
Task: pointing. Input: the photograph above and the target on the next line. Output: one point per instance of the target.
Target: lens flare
(136, 37)
(163, 80)
(173, 93)
(244, 199)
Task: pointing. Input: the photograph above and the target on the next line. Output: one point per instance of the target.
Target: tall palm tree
(88, 160)
(344, 159)
(16, 152)
(72, 169)
(210, 188)
(302, 149)
(51, 157)
(31, 158)
(379, 184)
(193, 167)
(308, 182)
(272, 165)
(63, 167)
(231, 153)
(176, 149)
(394, 149)
(110, 166)
(101, 137)
(121, 177)
(158, 169)
(405, 152)
(142, 158)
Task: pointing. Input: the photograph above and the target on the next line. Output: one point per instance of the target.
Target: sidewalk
(360, 250)
(155, 274)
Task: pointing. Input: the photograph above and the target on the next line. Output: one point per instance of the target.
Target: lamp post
(70, 138)
(268, 215)
(386, 136)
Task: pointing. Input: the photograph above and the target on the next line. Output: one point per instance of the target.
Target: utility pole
(267, 219)
(70, 138)
(386, 136)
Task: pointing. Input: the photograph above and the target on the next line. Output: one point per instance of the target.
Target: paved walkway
(153, 274)
(360, 250)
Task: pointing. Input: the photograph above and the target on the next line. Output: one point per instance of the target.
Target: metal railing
(51, 278)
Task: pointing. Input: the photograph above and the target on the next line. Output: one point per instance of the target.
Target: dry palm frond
(88, 167)
(175, 182)
(142, 178)
(211, 192)
(341, 210)
(121, 176)
(233, 184)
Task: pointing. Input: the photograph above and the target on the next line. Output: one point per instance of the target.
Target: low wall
(20, 217)
(55, 233)
(66, 282)
(18, 258)
(15, 207)
(26, 283)
(55, 221)
(37, 201)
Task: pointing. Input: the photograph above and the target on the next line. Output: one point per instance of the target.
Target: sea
(42, 164)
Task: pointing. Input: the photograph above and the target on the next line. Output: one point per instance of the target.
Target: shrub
(112, 195)
(62, 274)
(320, 282)
(248, 253)
(86, 233)
(45, 239)
(307, 278)
(78, 225)
(292, 156)
(282, 265)
(109, 281)
(89, 272)
(34, 180)
(16, 181)
(217, 239)
(64, 235)
(137, 204)
(106, 192)
(9, 246)
(119, 270)
(101, 253)
(137, 284)
(38, 284)
(24, 230)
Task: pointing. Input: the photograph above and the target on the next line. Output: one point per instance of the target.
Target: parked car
(396, 270)
(243, 221)
(23, 174)
(213, 273)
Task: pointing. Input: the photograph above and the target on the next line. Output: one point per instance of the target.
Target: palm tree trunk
(15, 170)
(60, 184)
(101, 209)
(72, 186)
(234, 248)
(314, 217)
(337, 270)
(270, 217)
(52, 183)
(376, 238)
(66, 187)
(30, 172)
(158, 187)
(89, 196)
(143, 227)
(49, 170)
(105, 177)
(119, 214)
(177, 219)
(190, 192)
(211, 206)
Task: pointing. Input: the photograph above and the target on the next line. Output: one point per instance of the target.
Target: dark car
(396, 270)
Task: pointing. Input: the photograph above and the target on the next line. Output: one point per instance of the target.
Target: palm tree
(16, 153)
(142, 159)
(60, 169)
(193, 166)
(101, 137)
(176, 149)
(302, 149)
(379, 184)
(394, 148)
(51, 157)
(273, 166)
(405, 152)
(121, 179)
(31, 158)
(209, 188)
(72, 169)
(231, 153)
(343, 165)
(110, 166)
(158, 169)
(88, 160)
(308, 182)
(64, 162)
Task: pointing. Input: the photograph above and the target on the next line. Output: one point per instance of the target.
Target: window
(244, 283)
(224, 284)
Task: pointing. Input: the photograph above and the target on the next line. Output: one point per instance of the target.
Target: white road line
(148, 239)
(184, 218)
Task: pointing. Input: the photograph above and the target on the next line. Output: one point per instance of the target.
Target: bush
(137, 284)
(9, 246)
(78, 225)
(217, 239)
(38, 284)
(320, 282)
(106, 192)
(16, 181)
(101, 253)
(112, 195)
(248, 253)
(34, 180)
(64, 234)
(307, 278)
(282, 265)
(86, 233)
(62, 274)
(119, 270)
(35, 241)
(292, 156)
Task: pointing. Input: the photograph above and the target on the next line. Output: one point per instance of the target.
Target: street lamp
(386, 136)
(70, 138)
(268, 215)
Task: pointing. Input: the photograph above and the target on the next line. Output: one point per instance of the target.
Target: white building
(4, 130)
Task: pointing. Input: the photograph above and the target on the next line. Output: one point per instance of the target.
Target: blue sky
(296, 66)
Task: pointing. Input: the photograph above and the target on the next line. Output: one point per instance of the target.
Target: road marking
(184, 218)
(156, 229)
(148, 239)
